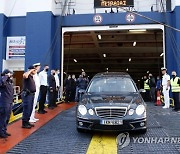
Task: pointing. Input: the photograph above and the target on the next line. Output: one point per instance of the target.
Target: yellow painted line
(16, 117)
(103, 144)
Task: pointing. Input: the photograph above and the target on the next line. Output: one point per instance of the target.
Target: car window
(111, 85)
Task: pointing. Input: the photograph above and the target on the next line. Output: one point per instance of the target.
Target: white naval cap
(163, 68)
(37, 64)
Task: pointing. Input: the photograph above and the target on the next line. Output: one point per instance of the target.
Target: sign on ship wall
(15, 48)
(113, 3)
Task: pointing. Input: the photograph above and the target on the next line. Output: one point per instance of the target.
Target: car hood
(113, 100)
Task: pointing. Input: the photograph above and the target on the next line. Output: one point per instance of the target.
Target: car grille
(111, 112)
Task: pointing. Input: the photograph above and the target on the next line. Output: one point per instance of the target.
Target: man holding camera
(6, 100)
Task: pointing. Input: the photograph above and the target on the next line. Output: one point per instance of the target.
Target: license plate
(112, 122)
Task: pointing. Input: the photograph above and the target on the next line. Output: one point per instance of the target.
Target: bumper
(128, 125)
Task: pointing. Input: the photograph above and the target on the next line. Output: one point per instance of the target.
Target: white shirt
(57, 80)
(165, 79)
(36, 80)
(43, 78)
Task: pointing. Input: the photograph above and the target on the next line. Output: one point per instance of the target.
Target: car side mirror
(142, 90)
(81, 93)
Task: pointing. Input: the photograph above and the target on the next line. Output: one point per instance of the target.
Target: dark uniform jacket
(6, 91)
(52, 82)
(29, 85)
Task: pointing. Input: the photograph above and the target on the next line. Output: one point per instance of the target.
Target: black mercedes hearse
(111, 102)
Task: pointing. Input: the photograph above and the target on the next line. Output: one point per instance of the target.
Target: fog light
(142, 124)
(81, 123)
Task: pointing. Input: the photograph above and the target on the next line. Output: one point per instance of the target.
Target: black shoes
(41, 112)
(27, 125)
(8, 134)
(3, 136)
(51, 107)
(32, 125)
(45, 111)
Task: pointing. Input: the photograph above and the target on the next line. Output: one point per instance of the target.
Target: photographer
(6, 100)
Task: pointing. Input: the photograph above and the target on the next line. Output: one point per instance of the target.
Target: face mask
(47, 70)
(173, 76)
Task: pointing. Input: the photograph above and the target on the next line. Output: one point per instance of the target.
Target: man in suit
(51, 90)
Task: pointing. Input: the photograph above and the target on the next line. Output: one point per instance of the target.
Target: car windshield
(111, 85)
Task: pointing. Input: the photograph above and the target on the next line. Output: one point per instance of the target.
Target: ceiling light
(129, 59)
(104, 55)
(75, 60)
(134, 44)
(99, 37)
(162, 54)
(137, 30)
(127, 69)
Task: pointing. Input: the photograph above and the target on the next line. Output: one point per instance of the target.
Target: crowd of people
(36, 87)
(72, 87)
(163, 86)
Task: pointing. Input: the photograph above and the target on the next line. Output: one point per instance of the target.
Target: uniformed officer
(147, 88)
(29, 89)
(56, 76)
(37, 83)
(6, 100)
(43, 89)
(166, 86)
(175, 87)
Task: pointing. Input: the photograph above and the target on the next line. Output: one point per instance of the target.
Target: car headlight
(91, 112)
(131, 111)
(82, 109)
(140, 109)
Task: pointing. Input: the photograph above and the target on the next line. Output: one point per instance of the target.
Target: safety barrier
(17, 105)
